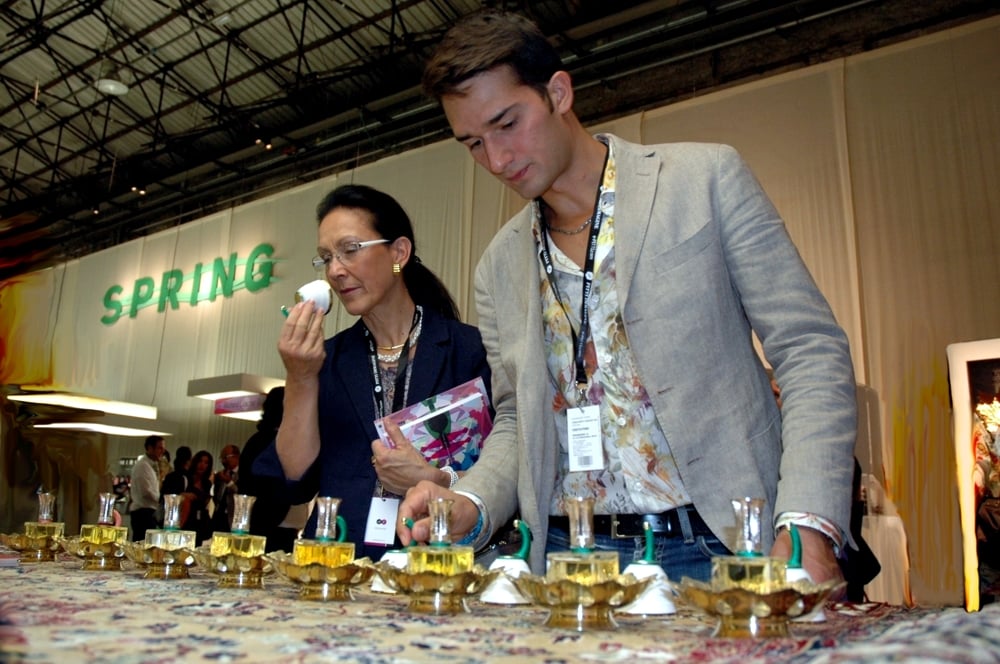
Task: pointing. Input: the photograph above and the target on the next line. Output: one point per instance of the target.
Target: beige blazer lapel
(633, 210)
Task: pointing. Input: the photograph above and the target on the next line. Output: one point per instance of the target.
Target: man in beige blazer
(698, 258)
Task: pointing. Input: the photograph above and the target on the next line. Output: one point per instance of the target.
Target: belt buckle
(614, 529)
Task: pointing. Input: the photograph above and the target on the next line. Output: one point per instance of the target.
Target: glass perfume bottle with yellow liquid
(239, 542)
(749, 568)
(171, 537)
(39, 542)
(328, 548)
(581, 564)
(104, 531)
(163, 551)
(439, 555)
(101, 545)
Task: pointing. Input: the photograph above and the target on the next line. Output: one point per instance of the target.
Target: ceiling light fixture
(232, 385)
(109, 80)
(86, 402)
(112, 425)
(97, 415)
(111, 86)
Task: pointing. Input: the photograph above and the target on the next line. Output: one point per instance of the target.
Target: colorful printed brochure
(448, 428)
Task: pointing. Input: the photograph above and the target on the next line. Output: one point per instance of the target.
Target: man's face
(230, 458)
(511, 130)
(156, 452)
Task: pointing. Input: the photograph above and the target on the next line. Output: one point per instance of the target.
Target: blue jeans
(688, 555)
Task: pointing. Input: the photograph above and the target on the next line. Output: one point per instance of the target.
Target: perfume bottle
(104, 531)
(171, 537)
(749, 569)
(165, 552)
(239, 542)
(40, 535)
(328, 548)
(439, 555)
(581, 564)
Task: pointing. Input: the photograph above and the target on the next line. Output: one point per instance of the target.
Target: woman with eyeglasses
(407, 345)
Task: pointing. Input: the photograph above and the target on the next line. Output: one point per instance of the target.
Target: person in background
(145, 488)
(195, 514)
(163, 466)
(176, 480)
(272, 506)
(407, 345)
(617, 309)
(226, 485)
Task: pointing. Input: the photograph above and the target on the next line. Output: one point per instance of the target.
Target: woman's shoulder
(463, 332)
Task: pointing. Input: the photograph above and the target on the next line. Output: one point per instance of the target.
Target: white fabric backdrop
(884, 166)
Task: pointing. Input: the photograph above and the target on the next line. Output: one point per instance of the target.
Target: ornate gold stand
(233, 571)
(319, 582)
(103, 563)
(240, 579)
(32, 549)
(438, 603)
(105, 557)
(437, 594)
(743, 627)
(37, 555)
(742, 613)
(580, 606)
(159, 563)
(580, 618)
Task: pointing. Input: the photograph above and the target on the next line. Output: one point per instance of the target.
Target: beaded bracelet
(487, 527)
(474, 533)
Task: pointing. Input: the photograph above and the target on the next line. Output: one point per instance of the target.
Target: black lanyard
(398, 396)
(579, 340)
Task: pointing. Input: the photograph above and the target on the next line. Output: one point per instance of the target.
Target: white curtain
(884, 166)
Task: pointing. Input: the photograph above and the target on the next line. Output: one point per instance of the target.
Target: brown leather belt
(621, 526)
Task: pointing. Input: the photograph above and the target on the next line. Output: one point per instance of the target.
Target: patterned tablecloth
(55, 612)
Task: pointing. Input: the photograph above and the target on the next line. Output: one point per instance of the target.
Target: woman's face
(361, 278)
(204, 465)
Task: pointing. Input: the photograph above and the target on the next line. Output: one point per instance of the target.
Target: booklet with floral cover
(448, 428)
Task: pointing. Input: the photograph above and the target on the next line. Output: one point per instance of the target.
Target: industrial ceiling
(120, 118)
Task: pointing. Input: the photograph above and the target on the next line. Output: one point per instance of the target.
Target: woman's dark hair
(181, 457)
(272, 410)
(390, 220)
(194, 467)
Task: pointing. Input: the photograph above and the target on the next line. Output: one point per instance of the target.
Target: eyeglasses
(347, 253)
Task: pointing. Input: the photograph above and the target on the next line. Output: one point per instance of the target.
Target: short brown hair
(484, 41)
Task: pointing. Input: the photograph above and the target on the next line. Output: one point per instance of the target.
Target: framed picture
(974, 376)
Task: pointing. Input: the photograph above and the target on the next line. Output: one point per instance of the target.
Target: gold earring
(396, 268)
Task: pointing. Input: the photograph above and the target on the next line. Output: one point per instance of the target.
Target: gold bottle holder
(318, 582)
(236, 558)
(433, 593)
(40, 540)
(581, 606)
(162, 553)
(743, 613)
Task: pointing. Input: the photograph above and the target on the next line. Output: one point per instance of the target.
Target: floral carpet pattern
(55, 612)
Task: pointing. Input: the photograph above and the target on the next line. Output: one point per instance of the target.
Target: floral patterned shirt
(639, 475)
